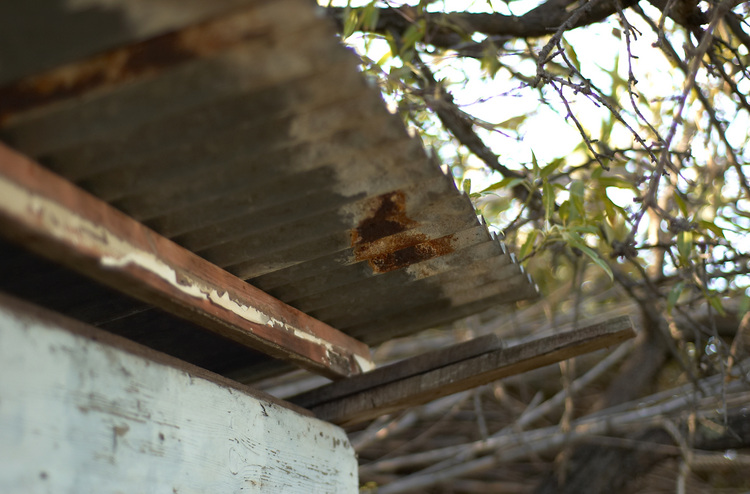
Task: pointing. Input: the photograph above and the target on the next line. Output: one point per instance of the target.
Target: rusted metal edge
(52, 217)
(443, 380)
(151, 56)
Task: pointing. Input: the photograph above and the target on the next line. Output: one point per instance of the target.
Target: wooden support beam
(86, 411)
(416, 381)
(52, 217)
(400, 370)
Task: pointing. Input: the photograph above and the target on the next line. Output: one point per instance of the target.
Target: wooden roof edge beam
(387, 396)
(54, 218)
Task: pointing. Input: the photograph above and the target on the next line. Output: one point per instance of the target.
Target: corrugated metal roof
(244, 132)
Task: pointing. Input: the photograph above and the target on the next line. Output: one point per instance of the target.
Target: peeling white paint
(364, 364)
(79, 415)
(114, 252)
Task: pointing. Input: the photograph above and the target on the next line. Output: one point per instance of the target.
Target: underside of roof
(242, 131)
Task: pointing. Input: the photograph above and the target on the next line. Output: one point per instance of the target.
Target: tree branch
(446, 30)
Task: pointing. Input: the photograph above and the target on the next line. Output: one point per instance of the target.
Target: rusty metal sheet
(248, 136)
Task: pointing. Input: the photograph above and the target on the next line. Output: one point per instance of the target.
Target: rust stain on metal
(388, 218)
(384, 238)
(124, 64)
(424, 251)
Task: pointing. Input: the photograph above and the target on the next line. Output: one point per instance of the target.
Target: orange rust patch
(412, 255)
(385, 240)
(124, 64)
(388, 219)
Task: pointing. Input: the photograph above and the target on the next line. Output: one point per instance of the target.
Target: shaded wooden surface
(401, 370)
(360, 403)
(50, 216)
(80, 415)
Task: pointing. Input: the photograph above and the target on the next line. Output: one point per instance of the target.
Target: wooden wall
(84, 411)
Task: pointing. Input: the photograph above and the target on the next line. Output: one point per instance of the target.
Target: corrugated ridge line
(401, 298)
(257, 199)
(373, 286)
(112, 152)
(245, 121)
(387, 299)
(345, 277)
(439, 312)
(330, 209)
(336, 225)
(273, 135)
(44, 129)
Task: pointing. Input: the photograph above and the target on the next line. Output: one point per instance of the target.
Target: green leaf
(535, 163)
(507, 182)
(685, 245)
(674, 296)
(554, 165)
(610, 210)
(564, 212)
(370, 16)
(607, 126)
(574, 240)
(392, 44)
(350, 23)
(528, 245)
(512, 123)
(715, 302)
(572, 55)
(466, 185)
(711, 226)
(606, 233)
(490, 62)
(412, 35)
(618, 182)
(584, 229)
(548, 197)
(577, 190)
(681, 204)
(743, 307)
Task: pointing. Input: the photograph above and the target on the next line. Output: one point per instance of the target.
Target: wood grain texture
(52, 217)
(389, 396)
(400, 370)
(78, 415)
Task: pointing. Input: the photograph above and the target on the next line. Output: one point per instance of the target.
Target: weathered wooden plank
(85, 411)
(401, 370)
(388, 396)
(57, 220)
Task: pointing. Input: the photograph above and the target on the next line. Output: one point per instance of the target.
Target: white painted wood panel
(80, 416)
